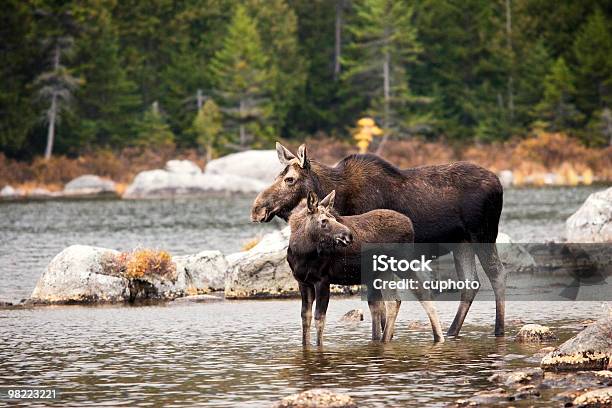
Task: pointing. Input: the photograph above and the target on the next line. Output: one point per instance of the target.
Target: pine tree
(207, 126)
(277, 28)
(108, 102)
(242, 80)
(593, 53)
(153, 131)
(556, 109)
(383, 45)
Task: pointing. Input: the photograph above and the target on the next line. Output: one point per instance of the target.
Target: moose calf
(324, 249)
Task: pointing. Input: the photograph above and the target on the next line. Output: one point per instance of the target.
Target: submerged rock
(594, 399)
(591, 349)
(317, 398)
(262, 165)
(89, 184)
(262, 271)
(534, 333)
(355, 315)
(593, 220)
(85, 274)
(517, 378)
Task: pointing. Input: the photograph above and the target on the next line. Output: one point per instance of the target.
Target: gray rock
(317, 398)
(163, 183)
(183, 166)
(76, 275)
(355, 315)
(593, 220)
(201, 273)
(39, 192)
(517, 378)
(8, 192)
(591, 349)
(89, 184)
(262, 165)
(506, 178)
(513, 255)
(263, 270)
(534, 333)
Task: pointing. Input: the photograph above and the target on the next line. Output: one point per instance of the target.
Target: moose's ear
(312, 201)
(328, 201)
(284, 155)
(302, 156)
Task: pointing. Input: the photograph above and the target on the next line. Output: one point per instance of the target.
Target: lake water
(248, 352)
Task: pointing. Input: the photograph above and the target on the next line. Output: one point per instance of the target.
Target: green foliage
(475, 69)
(207, 126)
(556, 109)
(153, 131)
(384, 46)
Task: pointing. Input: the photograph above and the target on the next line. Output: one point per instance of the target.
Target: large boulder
(76, 275)
(591, 349)
(164, 183)
(89, 184)
(262, 165)
(593, 220)
(84, 274)
(183, 166)
(263, 270)
(200, 273)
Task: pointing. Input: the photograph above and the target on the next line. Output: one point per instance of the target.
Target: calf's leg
(495, 271)
(308, 295)
(377, 310)
(392, 311)
(465, 264)
(322, 297)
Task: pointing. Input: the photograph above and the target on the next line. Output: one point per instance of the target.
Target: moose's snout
(258, 213)
(344, 238)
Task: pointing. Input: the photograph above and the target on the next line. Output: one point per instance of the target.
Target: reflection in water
(249, 353)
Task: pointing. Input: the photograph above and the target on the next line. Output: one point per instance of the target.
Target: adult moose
(325, 248)
(452, 203)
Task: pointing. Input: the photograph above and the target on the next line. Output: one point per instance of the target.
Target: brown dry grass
(140, 263)
(536, 155)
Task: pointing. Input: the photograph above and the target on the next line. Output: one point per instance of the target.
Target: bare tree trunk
(199, 99)
(338, 44)
(387, 96)
(242, 129)
(52, 113)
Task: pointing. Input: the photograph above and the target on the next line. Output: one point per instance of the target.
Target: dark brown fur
(452, 203)
(324, 248)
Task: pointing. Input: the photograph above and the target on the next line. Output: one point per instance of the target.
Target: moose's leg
(424, 297)
(489, 259)
(322, 296)
(308, 295)
(377, 310)
(465, 264)
(392, 311)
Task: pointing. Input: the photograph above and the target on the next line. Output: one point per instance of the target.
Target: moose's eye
(289, 180)
(324, 223)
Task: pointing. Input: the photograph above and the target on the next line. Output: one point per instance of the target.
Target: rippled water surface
(31, 234)
(242, 353)
(249, 353)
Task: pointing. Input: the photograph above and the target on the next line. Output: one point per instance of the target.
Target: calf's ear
(328, 201)
(312, 201)
(302, 156)
(284, 155)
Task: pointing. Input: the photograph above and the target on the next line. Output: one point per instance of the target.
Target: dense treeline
(228, 74)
